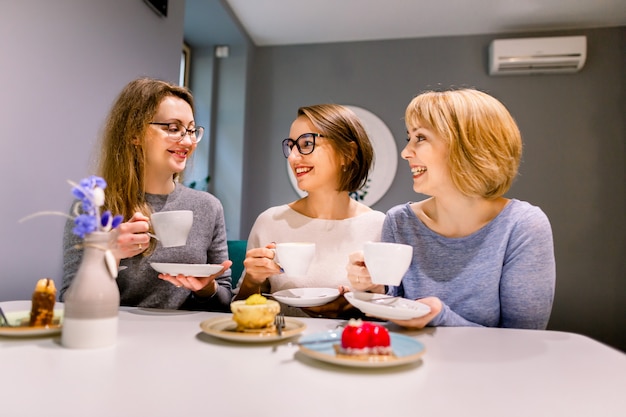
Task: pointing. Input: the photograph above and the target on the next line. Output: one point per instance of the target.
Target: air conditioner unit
(564, 54)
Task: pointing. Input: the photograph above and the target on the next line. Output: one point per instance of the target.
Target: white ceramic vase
(92, 300)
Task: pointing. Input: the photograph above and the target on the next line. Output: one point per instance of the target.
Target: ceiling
(289, 22)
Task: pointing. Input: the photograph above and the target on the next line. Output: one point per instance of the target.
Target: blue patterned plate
(405, 350)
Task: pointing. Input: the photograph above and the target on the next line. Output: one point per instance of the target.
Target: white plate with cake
(44, 317)
(306, 297)
(385, 307)
(226, 328)
(379, 349)
(20, 322)
(193, 270)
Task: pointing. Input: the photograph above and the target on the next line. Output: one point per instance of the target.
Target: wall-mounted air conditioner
(561, 54)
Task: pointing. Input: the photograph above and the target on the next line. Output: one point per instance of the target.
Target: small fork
(279, 322)
(6, 321)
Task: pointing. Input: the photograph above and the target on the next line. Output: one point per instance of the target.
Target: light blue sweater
(503, 275)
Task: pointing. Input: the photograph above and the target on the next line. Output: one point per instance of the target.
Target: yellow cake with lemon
(256, 312)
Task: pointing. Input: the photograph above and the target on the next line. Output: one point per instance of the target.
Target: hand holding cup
(387, 262)
(295, 257)
(172, 227)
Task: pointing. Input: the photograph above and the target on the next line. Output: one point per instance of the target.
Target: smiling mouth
(302, 170)
(418, 170)
(180, 154)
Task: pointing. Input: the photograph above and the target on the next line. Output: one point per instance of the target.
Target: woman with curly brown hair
(149, 136)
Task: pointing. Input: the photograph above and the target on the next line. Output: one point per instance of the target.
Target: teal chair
(236, 253)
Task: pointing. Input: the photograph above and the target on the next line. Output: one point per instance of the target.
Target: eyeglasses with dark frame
(305, 144)
(177, 132)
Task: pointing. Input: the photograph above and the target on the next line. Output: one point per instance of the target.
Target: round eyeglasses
(305, 144)
(177, 132)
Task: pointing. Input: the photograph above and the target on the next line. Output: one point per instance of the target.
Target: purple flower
(92, 182)
(90, 192)
(117, 220)
(105, 219)
(86, 212)
(84, 224)
(109, 222)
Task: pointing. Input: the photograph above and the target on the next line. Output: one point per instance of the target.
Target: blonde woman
(480, 259)
(330, 155)
(149, 136)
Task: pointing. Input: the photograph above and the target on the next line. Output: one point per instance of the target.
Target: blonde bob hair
(484, 142)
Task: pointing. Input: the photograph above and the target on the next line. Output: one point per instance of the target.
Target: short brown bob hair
(347, 136)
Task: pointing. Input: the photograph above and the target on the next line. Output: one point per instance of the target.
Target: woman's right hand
(259, 264)
(131, 237)
(359, 276)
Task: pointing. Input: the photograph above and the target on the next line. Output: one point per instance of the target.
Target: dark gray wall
(573, 128)
(219, 89)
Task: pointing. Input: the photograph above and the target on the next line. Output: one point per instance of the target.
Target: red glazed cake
(361, 338)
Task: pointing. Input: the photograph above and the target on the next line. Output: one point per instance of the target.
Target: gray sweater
(139, 284)
(503, 275)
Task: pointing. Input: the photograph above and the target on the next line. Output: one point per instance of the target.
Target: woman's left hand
(333, 309)
(203, 286)
(419, 323)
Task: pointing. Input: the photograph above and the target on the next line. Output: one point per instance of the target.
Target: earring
(345, 168)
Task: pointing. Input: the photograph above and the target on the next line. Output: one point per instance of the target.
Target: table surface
(163, 365)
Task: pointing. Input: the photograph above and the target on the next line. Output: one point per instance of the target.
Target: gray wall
(226, 157)
(63, 63)
(573, 127)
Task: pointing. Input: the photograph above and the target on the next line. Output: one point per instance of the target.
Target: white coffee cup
(295, 257)
(172, 227)
(387, 262)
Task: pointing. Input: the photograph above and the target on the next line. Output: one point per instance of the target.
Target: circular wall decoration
(383, 172)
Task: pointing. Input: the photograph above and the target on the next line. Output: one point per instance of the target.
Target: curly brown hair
(122, 160)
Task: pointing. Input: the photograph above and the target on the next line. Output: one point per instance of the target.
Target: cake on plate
(42, 307)
(364, 340)
(255, 313)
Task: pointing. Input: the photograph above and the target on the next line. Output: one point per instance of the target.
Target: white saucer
(21, 319)
(306, 297)
(194, 270)
(398, 309)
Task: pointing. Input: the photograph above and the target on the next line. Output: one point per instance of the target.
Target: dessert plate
(194, 270)
(405, 350)
(20, 319)
(306, 297)
(393, 309)
(225, 328)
